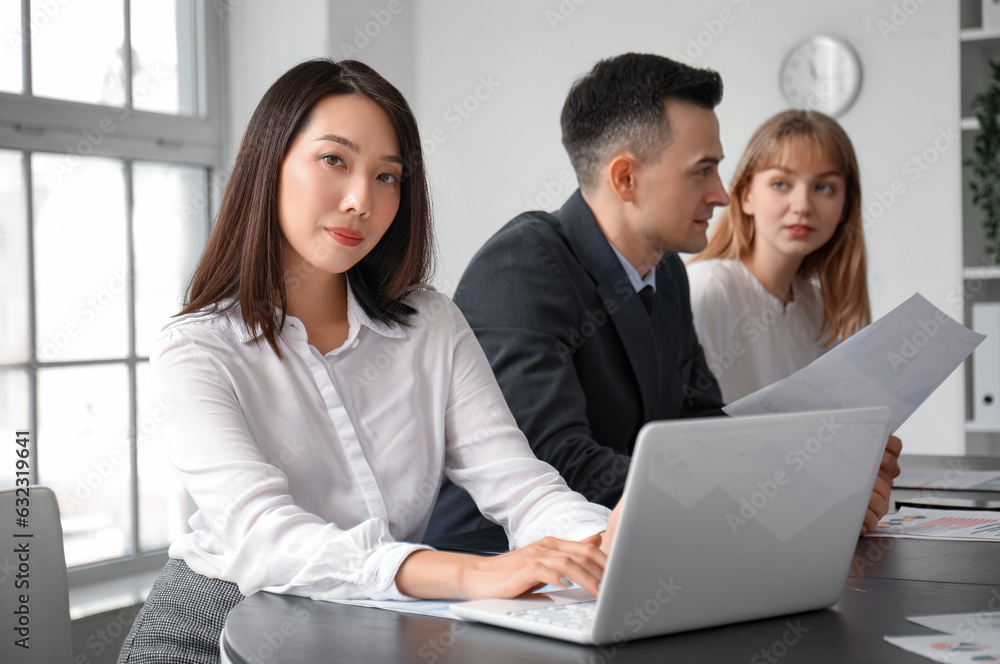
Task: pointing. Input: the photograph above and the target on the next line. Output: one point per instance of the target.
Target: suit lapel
(618, 298)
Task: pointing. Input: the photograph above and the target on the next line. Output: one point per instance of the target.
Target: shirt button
(355, 343)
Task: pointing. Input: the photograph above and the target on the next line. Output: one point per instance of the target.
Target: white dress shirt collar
(638, 283)
(294, 329)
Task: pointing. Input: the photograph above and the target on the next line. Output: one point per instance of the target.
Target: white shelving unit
(981, 272)
(979, 45)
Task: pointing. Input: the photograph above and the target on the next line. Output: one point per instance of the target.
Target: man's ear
(622, 173)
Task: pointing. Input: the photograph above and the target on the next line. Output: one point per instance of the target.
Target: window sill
(110, 594)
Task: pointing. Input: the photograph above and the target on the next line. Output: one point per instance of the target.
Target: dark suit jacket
(580, 362)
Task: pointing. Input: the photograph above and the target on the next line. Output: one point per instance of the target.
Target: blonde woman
(783, 277)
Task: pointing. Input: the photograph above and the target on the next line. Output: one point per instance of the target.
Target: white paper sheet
(897, 361)
(968, 637)
(422, 607)
(966, 626)
(966, 525)
(949, 479)
(985, 648)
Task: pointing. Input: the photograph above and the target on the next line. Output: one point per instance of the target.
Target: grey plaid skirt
(181, 620)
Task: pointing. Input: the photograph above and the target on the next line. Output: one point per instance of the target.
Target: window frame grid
(33, 125)
(53, 125)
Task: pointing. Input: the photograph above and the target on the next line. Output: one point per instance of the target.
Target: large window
(110, 142)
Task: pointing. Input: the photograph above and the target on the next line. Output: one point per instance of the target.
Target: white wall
(487, 81)
(380, 33)
(263, 41)
(266, 38)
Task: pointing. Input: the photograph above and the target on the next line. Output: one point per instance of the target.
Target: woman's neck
(774, 272)
(319, 300)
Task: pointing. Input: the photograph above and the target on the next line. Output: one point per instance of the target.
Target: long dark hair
(242, 260)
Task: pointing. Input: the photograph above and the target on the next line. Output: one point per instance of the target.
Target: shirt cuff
(379, 572)
(575, 524)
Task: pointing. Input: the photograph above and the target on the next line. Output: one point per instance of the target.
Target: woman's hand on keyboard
(433, 574)
(547, 561)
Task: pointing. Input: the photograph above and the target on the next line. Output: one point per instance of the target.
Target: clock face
(821, 73)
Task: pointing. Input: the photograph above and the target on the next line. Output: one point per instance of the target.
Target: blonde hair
(839, 265)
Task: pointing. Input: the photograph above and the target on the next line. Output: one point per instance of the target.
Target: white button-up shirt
(751, 339)
(314, 475)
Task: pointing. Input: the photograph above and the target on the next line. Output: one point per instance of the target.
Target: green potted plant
(985, 161)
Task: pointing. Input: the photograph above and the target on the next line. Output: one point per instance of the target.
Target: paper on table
(968, 637)
(918, 523)
(956, 478)
(964, 625)
(983, 649)
(897, 361)
(421, 607)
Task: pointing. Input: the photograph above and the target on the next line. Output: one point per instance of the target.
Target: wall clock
(821, 73)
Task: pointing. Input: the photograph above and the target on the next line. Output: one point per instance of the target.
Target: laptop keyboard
(578, 616)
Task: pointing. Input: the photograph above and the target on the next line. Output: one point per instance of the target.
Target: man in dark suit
(585, 314)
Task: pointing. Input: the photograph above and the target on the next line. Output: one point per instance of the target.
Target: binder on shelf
(991, 15)
(986, 364)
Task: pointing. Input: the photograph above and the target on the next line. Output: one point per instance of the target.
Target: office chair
(34, 596)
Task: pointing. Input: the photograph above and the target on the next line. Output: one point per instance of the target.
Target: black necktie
(646, 295)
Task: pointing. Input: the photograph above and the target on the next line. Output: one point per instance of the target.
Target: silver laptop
(725, 519)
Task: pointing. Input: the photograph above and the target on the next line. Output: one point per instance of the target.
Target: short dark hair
(243, 257)
(619, 105)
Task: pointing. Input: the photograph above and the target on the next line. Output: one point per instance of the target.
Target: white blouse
(751, 339)
(314, 475)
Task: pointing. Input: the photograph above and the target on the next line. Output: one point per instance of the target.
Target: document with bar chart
(940, 524)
